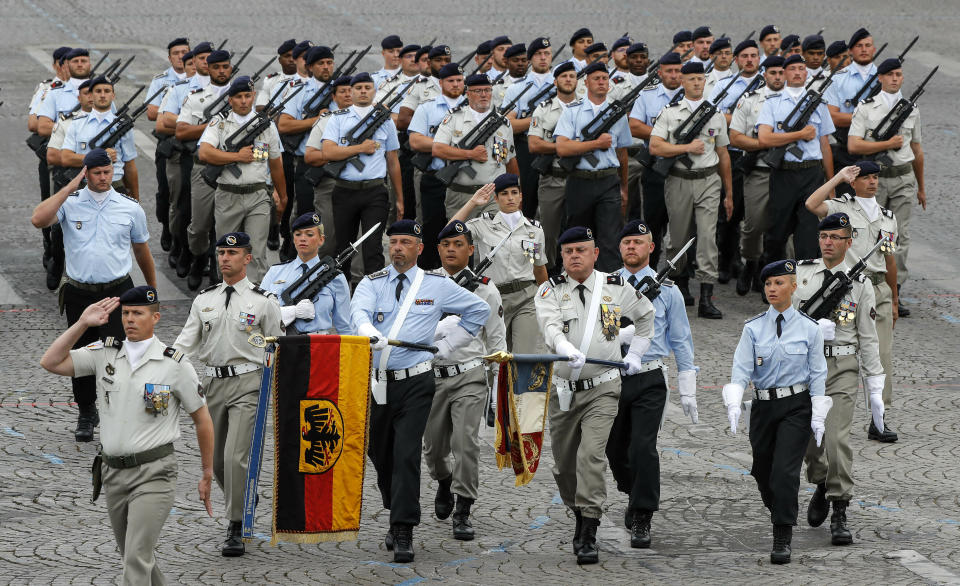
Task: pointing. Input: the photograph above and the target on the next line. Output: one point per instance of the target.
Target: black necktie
(581, 288)
(303, 268)
(633, 281)
(779, 325)
(400, 279)
(229, 291)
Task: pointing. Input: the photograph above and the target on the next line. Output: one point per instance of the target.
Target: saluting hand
(482, 196)
(75, 182)
(848, 174)
(98, 314)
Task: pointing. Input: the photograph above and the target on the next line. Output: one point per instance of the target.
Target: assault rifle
(870, 88)
(123, 123)
(325, 270)
(649, 286)
(236, 64)
(548, 92)
(893, 121)
(93, 70)
(558, 53)
(463, 62)
(756, 83)
(114, 77)
(480, 66)
(471, 279)
(422, 160)
(800, 115)
(834, 287)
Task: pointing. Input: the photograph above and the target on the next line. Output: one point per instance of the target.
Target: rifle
(893, 121)
(430, 44)
(245, 135)
(256, 76)
(471, 279)
(112, 67)
(463, 62)
(123, 123)
(223, 44)
(480, 66)
(215, 107)
(756, 83)
(236, 65)
(548, 92)
(558, 53)
(800, 114)
(650, 286)
(477, 136)
(115, 76)
(869, 89)
(93, 70)
(834, 287)
(334, 48)
(691, 128)
(422, 160)
(326, 270)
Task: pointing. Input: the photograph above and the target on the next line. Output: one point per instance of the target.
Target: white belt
(588, 383)
(779, 392)
(229, 371)
(395, 375)
(441, 371)
(848, 350)
(652, 365)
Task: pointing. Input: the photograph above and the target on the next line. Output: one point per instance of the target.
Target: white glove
(456, 338)
(446, 326)
(687, 381)
(288, 313)
(634, 357)
(576, 357)
(821, 406)
(874, 386)
(369, 331)
(732, 397)
(305, 310)
(828, 328)
(626, 335)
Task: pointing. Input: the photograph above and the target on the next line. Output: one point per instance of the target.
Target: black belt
(360, 185)
(96, 287)
(242, 189)
(693, 173)
(584, 174)
(464, 188)
(514, 286)
(876, 278)
(556, 172)
(896, 170)
(793, 166)
(134, 460)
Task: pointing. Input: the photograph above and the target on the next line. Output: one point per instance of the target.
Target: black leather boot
(443, 502)
(640, 530)
(887, 436)
(195, 278)
(782, 535)
(233, 545)
(166, 238)
(185, 261)
(462, 528)
(745, 280)
(707, 309)
(577, 531)
(388, 539)
(839, 534)
(273, 238)
(402, 544)
(588, 554)
(86, 421)
(175, 251)
(819, 507)
(901, 310)
(683, 283)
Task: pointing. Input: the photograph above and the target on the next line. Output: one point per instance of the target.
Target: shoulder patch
(56, 85)
(274, 74)
(618, 80)
(485, 280)
(74, 194)
(488, 215)
(759, 315)
(886, 212)
(557, 280)
(436, 273)
(614, 280)
(111, 342)
(667, 283)
(263, 292)
(159, 75)
(379, 274)
(867, 101)
(806, 316)
(98, 345)
(343, 111)
(210, 288)
(171, 352)
(196, 90)
(456, 108)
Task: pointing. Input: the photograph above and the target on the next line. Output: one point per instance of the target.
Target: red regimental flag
(523, 390)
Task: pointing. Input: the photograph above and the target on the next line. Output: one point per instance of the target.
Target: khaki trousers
(884, 323)
(201, 212)
(250, 213)
(174, 187)
(323, 204)
(233, 407)
(520, 318)
(692, 206)
(552, 214)
(898, 194)
(756, 193)
(832, 462)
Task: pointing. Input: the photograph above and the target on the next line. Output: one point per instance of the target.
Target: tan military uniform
(323, 191)
(501, 87)
(756, 185)
(139, 410)
(173, 171)
(713, 78)
(425, 89)
(391, 82)
(269, 86)
(832, 462)
(550, 191)
(216, 336)
(898, 184)
(865, 235)
(579, 435)
(693, 201)
(500, 150)
(451, 443)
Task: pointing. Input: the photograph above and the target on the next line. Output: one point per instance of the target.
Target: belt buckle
(217, 372)
(585, 385)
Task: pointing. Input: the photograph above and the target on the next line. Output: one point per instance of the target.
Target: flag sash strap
(255, 460)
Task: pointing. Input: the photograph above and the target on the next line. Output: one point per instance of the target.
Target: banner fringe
(348, 535)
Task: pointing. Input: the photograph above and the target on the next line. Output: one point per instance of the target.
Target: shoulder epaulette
(436, 273)
(576, 103)
(379, 274)
(171, 352)
(199, 89)
(74, 194)
(867, 101)
(886, 212)
(546, 102)
(614, 279)
(652, 85)
(456, 108)
(775, 95)
(76, 115)
(264, 292)
(488, 215)
(807, 261)
(136, 201)
(159, 75)
(393, 77)
(282, 262)
(846, 197)
(274, 74)
(673, 105)
(752, 93)
(534, 222)
(755, 317)
(181, 81)
(806, 316)
(667, 283)
(556, 280)
(861, 278)
(47, 80)
(111, 342)
(210, 288)
(339, 112)
(325, 114)
(56, 85)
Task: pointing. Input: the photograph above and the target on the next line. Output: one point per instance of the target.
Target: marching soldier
(849, 332)
(221, 319)
(408, 72)
(721, 55)
(142, 386)
(683, 45)
(781, 353)
(62, 97)
(427, 87)
(579, 41)
(278, 79)
(451, 445)
(643, 396)
(403, 297)
(846, 83)
(814, 50)
(638, 60)
(870, 222)
(517, 65)
(747, 55)
(579, 311)
(480, 59)
(618, 54)
(770, 40)
(702, 40)
(390, 50)
(498, 47)
(837, 55)
(790, 45)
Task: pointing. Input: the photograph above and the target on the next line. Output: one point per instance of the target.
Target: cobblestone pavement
(711, 526)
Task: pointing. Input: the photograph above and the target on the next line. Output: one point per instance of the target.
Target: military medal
(888, 247)
(110, 369)
(156, 399)
(845, 313)
(610, 320)
(79, 225)
(379, 317)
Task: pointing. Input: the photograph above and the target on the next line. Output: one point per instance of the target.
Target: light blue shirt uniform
(165, 79)
(97, 237)
(775, 110)
(578, 115)
(671, 328)
(518, 86)
(58, 101)
(375, 165)
(427, 118)
(374, 302)
(795, 358)
(729, 100)
(845, 85)
(651, 102)
(85, 128)
(296, 106)
(176, 95)
(331, 305)
(383, 75)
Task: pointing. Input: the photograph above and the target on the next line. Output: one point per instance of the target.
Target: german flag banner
(321, 405)
(523, 391)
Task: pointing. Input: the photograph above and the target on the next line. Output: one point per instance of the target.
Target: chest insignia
(79, 225)
(110, 369)
(423, 301)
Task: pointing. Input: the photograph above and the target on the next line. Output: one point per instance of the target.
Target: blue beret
(97, 158)
(98, 80)
(218, 56)
(671, 58)
(621, 42)
(201, 48)
(702, 32)
(484, 48)
(595, 48)
(835, 222)
(813, 43)
(424, 50)
(692, 67)
(341, 81)
(789, 42)
(452, 230)
(307, 220)
(317, 53)
(836, 48)
(391, 42)
(868, 168)
(77, 52)
(575, 234)
(409, 49)
(142, 295)
(744, 45)
(287, 45)
(476, 79)
(87, 84)
(634, 228)
(501, 40)
(505, 180)
(721, 43)
(514, 50)
(405, 228)
(858, 36)
(242, 83)
(234, 240)
(581, 33)
(637, 48)
(301, 48)
(439, 51)
(178, 41)
(362, 77)
(449, 70)
(563, 68)
(791, 59)
(60, 52)
(187, 56)
(593, 68)
(889, 65)
(772, 61)
(683, 37)
(778, 268)
(536, 45)
(770, 29)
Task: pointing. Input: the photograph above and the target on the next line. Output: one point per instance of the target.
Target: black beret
(858, 36)
(439, 51)
(580, 34)
(836, 48)
(514, 50)
(87, 84)
(692, 67)
(744, 45)
(142, 295)
(391, 42)
(791, 59)
(97, 158)
(452, 230)
(501, 40)
(593, 68)
(671, 58)
(575, 234)
(241, 83)
(772, 61)
(476, 79)
(595, 48)
(770, 29)
(484, 48)
(637, 48)
(218, 56)
(234, 240)
(60, 52)
(307, 220)
(868, 168)
(634, 228)
(449, 70)
(778, 268)
(813, 43)
(789, 42)
(76, 52)
(287, 45)
(424, 50)
(563, 68)
(835, 222)
(889, 65)
(201, 48)
(682, 37)
(621, 42)
(409, 49)
(178, 41)
(99, 80)
(317, 53)
(536, 45)
(362, 77)
(187, 56)
(301, 48)
(405, 228)
(721, 43)
(702, 32)
(341, 81)
(505, 180)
